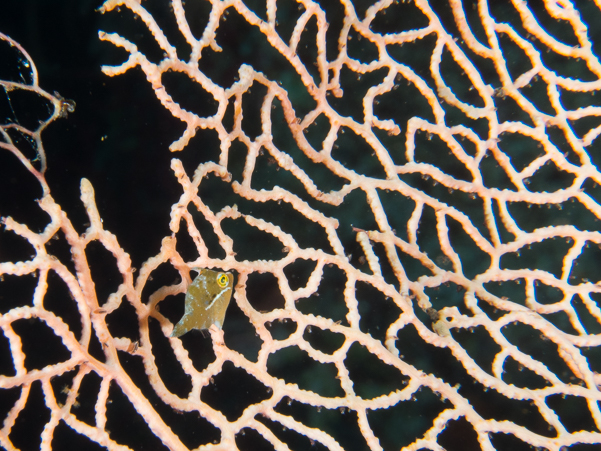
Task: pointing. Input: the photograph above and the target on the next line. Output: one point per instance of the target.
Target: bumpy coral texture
(413, 225)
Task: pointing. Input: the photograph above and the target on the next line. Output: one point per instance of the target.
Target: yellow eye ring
(222, 280)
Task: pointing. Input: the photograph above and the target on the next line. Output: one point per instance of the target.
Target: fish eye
(222, 280)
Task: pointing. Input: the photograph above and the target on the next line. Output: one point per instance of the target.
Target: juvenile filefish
(207, 299)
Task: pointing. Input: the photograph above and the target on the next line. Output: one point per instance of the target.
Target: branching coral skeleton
(451, 193)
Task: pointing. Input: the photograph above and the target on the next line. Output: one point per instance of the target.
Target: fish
(207, 299)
